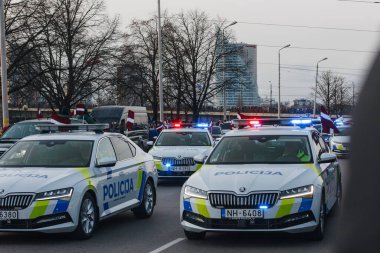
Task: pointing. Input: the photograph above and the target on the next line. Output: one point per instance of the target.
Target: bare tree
(77, 53)
(334, 92)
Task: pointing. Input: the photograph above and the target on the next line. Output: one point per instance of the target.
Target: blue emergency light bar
(202, 125)
(51, 128)
(244, 123)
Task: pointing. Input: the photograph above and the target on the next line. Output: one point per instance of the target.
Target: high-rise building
(238, 71)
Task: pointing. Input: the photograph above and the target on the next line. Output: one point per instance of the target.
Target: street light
(4, 92)
(224, 63)
(279, 80)
(316, 86)
(160, 86)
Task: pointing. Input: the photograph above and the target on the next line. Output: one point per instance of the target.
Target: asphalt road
(125, 233)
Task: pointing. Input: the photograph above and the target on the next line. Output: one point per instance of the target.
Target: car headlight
(55, 194)
(299, 192)
(191, 192)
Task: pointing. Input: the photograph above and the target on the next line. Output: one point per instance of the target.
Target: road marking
(168, 245)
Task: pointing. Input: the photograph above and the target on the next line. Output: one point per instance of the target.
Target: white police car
(263, 179)
(67, 182)
(340, 142)
(175, 148)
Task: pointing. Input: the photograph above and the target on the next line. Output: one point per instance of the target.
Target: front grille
(186, 161)
(254, 200)
(15, 201)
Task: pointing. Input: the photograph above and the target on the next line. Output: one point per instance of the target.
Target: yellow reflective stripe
(285, 208)
(312, 166)
(139, 180)
(339, 146)
(202, 208)
(199, 166)
(158, 165)
(39, 209)
(86, 174)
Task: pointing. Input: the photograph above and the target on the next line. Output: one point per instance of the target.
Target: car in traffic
(340, 142)
(69, 181)
(25, 128)
(216, 132)
(265, 179)
(226, 127)
(174, 151)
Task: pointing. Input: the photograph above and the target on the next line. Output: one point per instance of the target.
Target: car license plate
(242, 213)
(180, 168)
(8, 215)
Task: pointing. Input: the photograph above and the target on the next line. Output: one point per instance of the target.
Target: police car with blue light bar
(69, 181)
(175, 148)
(271, 175)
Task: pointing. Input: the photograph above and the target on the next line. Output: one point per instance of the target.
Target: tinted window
(262, 149)
(105, 150)
(183, 139)
(49, 153)
(122, 149)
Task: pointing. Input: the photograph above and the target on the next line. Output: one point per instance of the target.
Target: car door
(128, 176)
(329, 173)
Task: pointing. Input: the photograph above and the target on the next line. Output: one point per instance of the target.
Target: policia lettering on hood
(246, 172)
(117, 189)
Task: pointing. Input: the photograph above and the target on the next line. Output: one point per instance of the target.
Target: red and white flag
(59, 120)
(327, 122)
(130, 120)
(80, 109)
(241, 116)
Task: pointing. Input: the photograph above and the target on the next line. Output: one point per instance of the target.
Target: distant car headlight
(55, 194)
(299, 192)
(157, 158)
(191, 192)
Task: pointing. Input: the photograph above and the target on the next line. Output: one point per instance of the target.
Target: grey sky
(326, 13)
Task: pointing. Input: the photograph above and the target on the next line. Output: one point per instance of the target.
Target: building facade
(238, 71)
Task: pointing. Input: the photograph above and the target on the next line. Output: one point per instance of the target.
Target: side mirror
(106, 162)
(327, 158)
(200, 159)
(150, 143)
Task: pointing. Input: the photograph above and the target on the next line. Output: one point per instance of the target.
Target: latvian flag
(241, 116)
(59, 119)
(80, 109)
(327, 123)
(130, 120)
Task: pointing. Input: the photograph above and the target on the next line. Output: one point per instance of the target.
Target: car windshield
(48, 153)
(344, 131)
(183, 139)
(262, 149)
(225, 126)
(216, 130)
(21, 130)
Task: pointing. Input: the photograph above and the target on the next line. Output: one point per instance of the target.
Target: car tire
(338, 204)
(88, 217)
(194, 235)
(145, 209)
(319, 232)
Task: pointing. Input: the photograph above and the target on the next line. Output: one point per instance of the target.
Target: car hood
(176, 151)
(341, 139)
(257, 177)
(35, 180)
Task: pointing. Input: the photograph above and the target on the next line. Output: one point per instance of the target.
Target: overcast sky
(296, 81)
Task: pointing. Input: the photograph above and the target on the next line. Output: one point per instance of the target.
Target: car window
(183, 139)
(49, 153)
(122, 149)
(262, 149)
(105, 150)
(133, 149)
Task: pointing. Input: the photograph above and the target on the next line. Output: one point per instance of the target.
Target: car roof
(78, 135)
(173, 130)
(271, 130)
(34, 121)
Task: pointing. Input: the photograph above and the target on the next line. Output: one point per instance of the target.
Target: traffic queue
(272, 175)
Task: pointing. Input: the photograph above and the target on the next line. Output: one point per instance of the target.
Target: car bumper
(292, 215)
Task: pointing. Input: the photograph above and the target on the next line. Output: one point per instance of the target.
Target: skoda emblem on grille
(179, 157)
(2, 191)
(242, 189)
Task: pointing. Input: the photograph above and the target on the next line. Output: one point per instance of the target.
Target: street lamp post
(316, 87)
(160, 85)
(279, 81)
(224, 85)
(4, 91)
